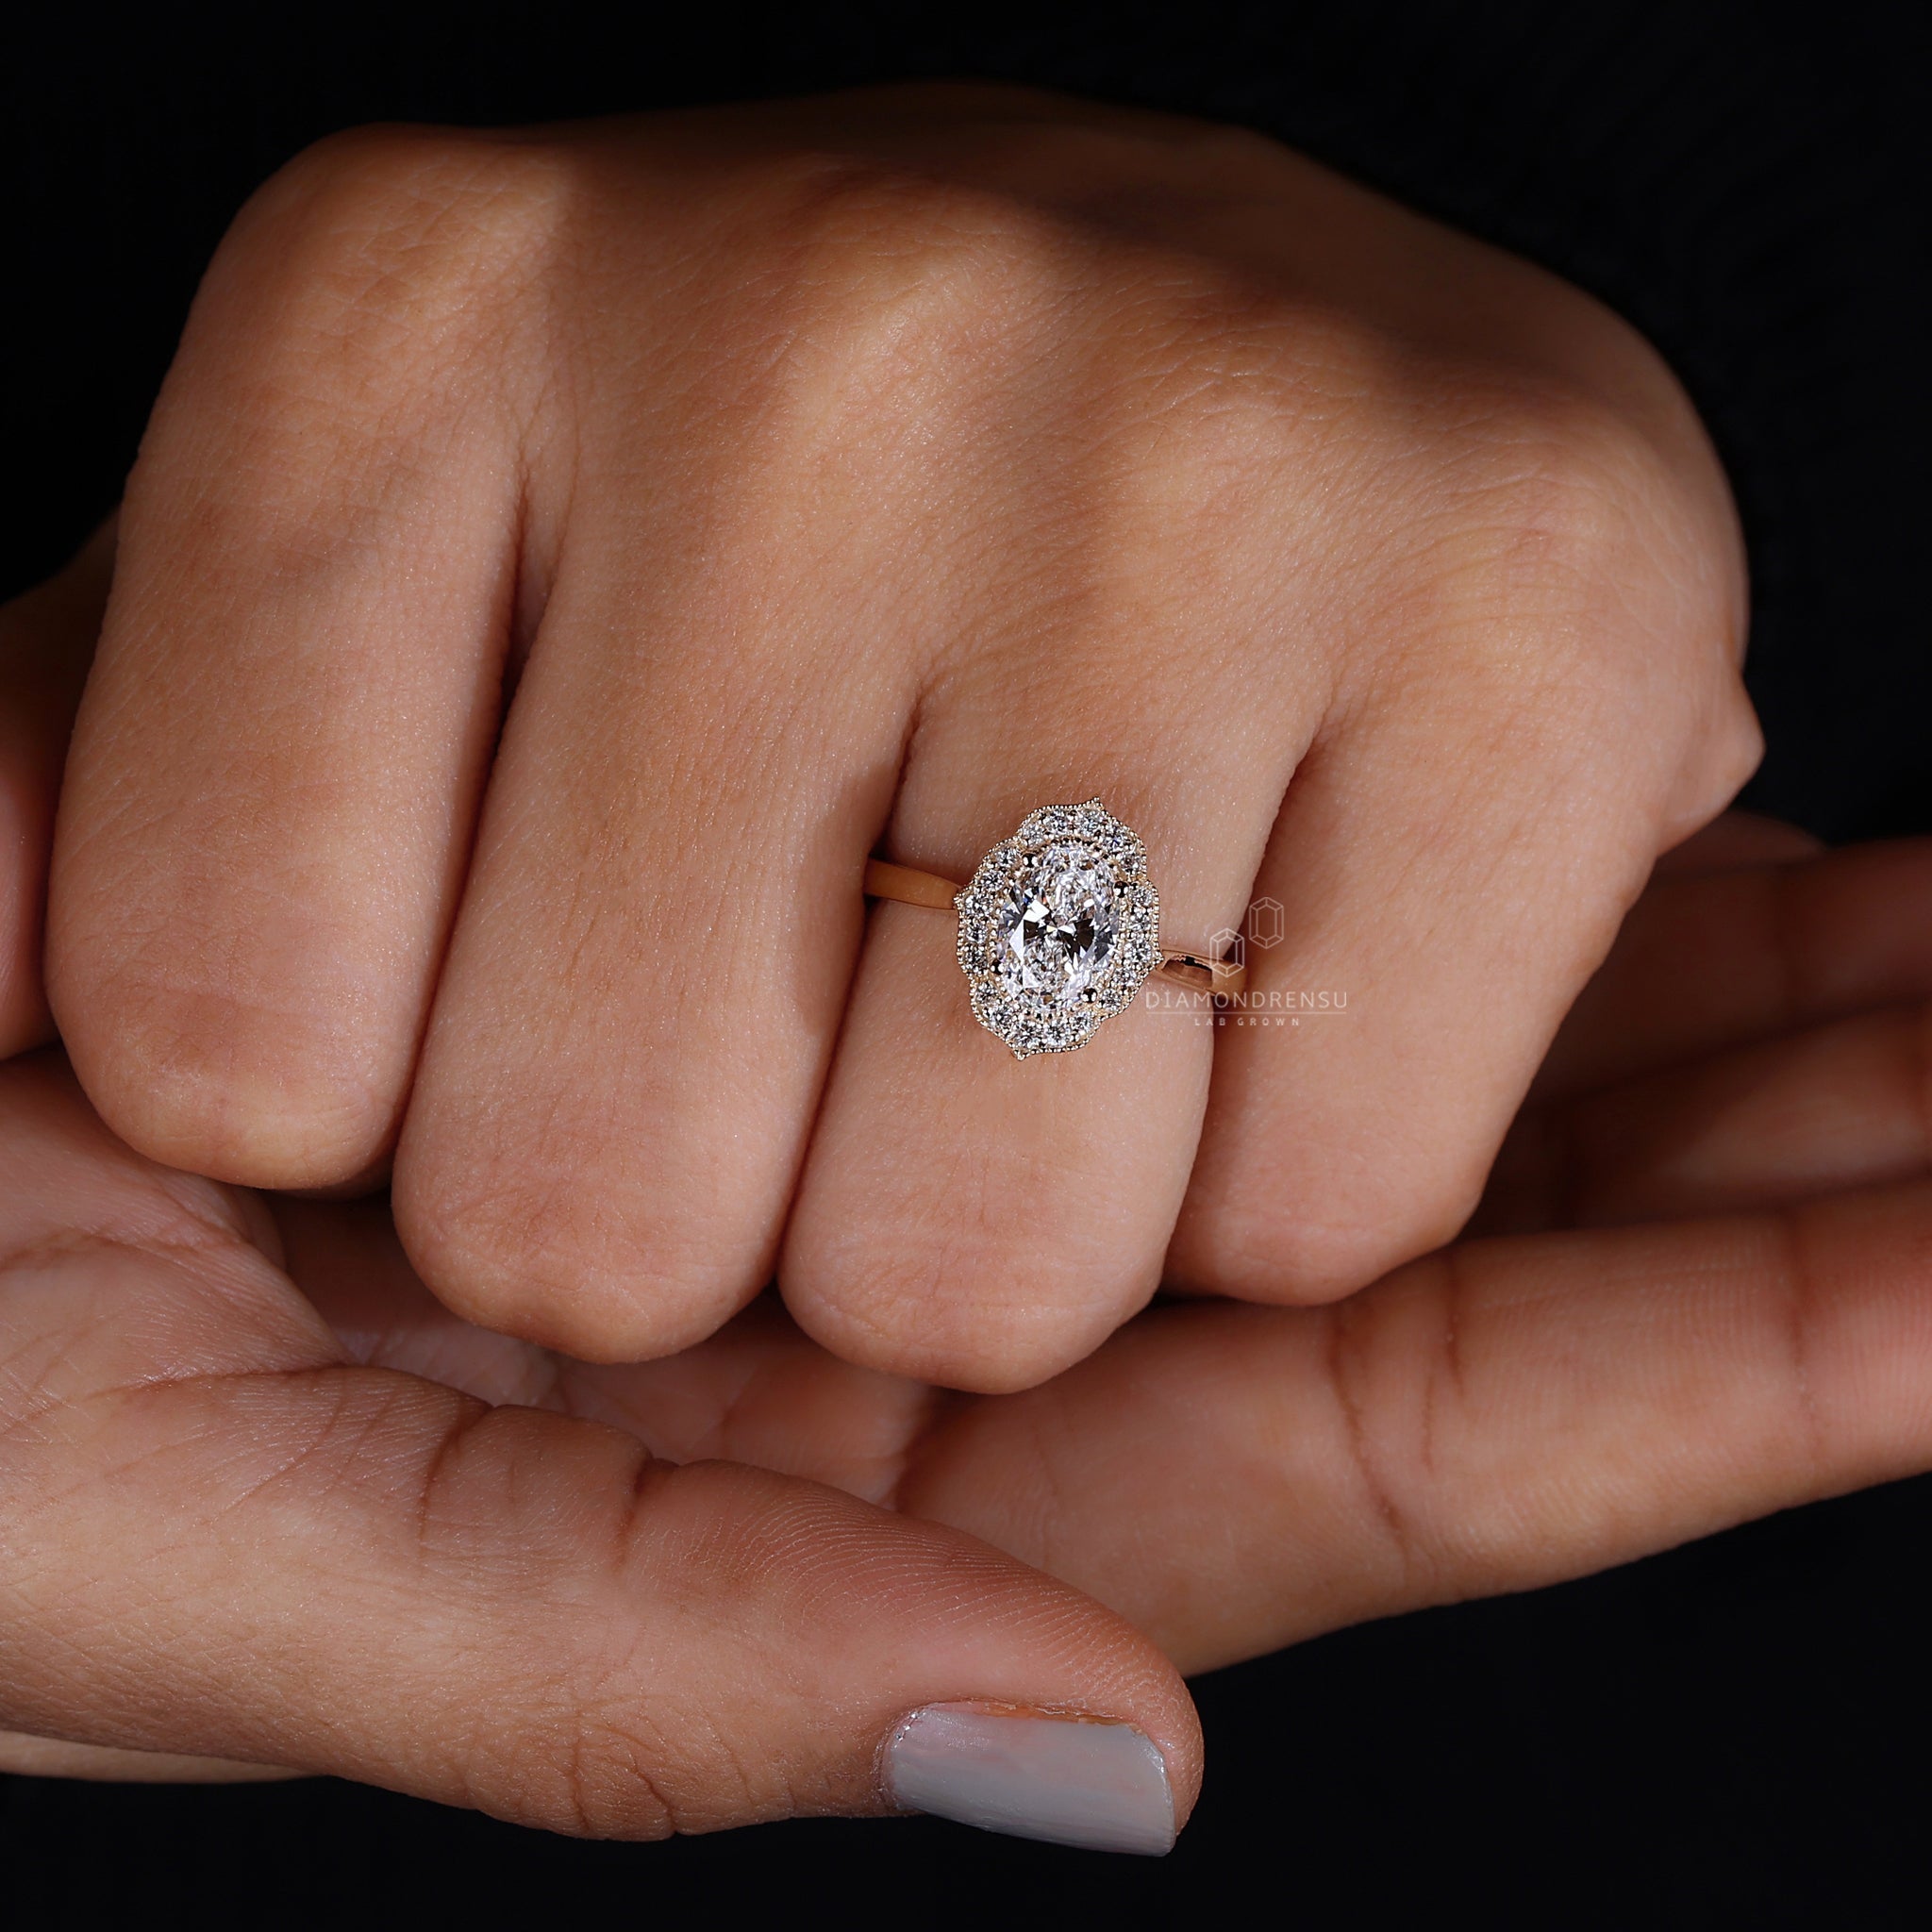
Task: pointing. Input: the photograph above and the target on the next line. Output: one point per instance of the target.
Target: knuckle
(981, 291)
(1328, 1234)
(1602, 490)
(1395, 1369)
(1181, 389)
(1733, 746)
(1559, 479)
(221, 1016)
(407, 206)
(1560, 564)
(377, 260)
(577, 1528)
(1727, 746)
(246, 1087)
(566, 1254)
(911, 277)
(1308, 1263)
(966, 1313)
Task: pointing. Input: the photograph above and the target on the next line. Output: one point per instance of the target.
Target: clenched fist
(559, 559)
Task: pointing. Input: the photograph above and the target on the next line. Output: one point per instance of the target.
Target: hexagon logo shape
(1267, 922)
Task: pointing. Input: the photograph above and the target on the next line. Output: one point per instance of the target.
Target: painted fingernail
(1071, 1781)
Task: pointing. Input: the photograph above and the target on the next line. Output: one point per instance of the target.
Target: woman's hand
(262, 1497)
(863, 472)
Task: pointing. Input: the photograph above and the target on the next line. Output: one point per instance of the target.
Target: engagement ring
(1057, 928)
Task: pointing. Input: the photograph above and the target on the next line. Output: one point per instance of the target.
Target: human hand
(820, 474)
(252, 1504)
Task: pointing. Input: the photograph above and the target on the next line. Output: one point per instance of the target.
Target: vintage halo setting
(1059, 927)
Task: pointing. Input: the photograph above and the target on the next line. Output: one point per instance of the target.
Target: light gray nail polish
(1070, 1781)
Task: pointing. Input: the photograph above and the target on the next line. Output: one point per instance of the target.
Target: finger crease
(1340, 1355)
(1800, 1284)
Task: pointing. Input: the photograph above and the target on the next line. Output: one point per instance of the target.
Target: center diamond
(1058, 925)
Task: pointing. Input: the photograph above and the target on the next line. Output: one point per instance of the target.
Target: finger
(1494, 1418)
(24, 1756)
(217, 1538)
(1452, 865)
(1843, 1105)
(46, 642)
(648, 977)
(1712, 960)
(757, 1391)
(979, 1222)
(963, 1217)
(268, 807)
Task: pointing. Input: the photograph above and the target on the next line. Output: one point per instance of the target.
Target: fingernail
(1071, 1781)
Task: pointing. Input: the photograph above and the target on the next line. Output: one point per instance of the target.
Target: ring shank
(906, 886)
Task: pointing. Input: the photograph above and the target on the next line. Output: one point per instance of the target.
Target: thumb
(218, 1537)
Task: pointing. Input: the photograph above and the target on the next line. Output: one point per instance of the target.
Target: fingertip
(1260, 1236)
(592, 1262)
(978, 1323)
(1065, 1778)
(203, 1083)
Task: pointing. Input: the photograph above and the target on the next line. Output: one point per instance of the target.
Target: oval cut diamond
(1057, 928)
(1057, 923)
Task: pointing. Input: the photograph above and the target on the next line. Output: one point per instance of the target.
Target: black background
(1728, 1736)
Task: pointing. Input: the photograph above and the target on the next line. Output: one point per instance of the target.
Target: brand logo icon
(1267, 922)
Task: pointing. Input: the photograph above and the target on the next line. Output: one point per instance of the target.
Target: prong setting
(1059, 927)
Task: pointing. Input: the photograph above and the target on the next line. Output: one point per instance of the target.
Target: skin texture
(47, 643)
(558, 559)
(266, 1501)
(263, 1512)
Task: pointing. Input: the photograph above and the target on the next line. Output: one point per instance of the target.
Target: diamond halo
(1057, 928)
